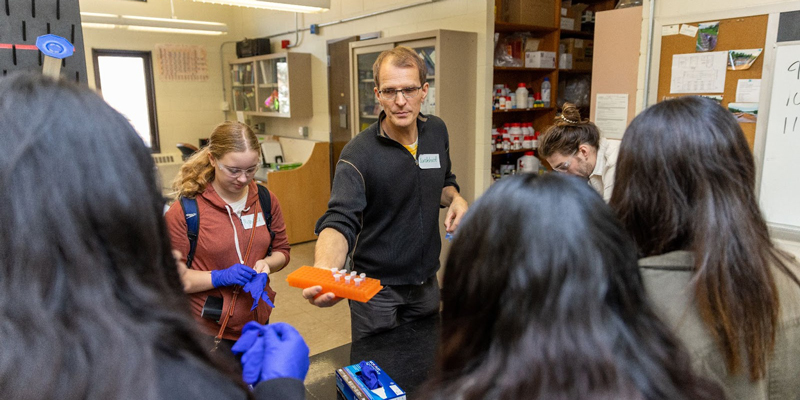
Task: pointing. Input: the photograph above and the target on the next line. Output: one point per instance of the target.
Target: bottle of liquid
(515, 132)
(546, 92)
(528, 163)
(522, 96)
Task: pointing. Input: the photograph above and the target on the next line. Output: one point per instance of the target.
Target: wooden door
(339, 96)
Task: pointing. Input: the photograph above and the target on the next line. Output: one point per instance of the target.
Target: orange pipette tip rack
(305, 277)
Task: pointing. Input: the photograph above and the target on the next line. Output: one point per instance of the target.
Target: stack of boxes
(529, 12)
(572, 53)
(575, 54)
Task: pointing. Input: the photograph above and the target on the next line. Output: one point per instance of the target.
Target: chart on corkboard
(692, 59)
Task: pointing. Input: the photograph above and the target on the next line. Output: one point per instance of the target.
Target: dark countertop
(406, 353)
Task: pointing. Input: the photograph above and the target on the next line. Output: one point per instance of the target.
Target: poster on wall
(611, 114)
(180, 62)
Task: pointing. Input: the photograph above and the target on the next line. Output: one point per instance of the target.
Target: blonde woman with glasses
(234, 242)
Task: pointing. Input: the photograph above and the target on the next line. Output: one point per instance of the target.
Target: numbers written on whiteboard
(792, 100)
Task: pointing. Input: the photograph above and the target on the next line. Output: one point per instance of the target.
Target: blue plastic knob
(55, 46)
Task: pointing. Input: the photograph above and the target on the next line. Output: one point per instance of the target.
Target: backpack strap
(266, 210)
(189, 207)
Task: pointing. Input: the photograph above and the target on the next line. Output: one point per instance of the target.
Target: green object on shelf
(288, 166)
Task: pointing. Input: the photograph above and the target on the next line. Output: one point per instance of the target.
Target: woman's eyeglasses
(236, 172)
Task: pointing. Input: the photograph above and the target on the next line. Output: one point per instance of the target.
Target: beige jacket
(602, 177)
(667, 278)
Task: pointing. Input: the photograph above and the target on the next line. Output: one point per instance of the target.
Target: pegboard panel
(22, 21)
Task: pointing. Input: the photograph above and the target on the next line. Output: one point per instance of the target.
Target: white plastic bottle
(522, 96)
(515, 132)
(546, 92)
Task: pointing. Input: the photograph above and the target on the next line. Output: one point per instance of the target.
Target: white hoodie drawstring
(235, 234)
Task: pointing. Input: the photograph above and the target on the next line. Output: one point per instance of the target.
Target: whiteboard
(780, 175)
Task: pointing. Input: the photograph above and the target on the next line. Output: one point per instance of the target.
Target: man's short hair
(402, 57)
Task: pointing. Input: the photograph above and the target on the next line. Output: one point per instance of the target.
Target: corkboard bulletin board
(734, 34)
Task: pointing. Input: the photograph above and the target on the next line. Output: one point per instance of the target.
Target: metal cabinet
(451, 60)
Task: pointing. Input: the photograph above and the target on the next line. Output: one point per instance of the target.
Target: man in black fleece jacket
(389, 184)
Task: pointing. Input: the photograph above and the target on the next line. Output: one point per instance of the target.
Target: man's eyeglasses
(564, 166)
(236, 172)
(408, 93)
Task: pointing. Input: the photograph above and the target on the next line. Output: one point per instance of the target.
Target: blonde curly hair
(197, 172)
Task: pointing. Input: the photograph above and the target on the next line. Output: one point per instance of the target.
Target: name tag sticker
(247, 221)
(429, 161)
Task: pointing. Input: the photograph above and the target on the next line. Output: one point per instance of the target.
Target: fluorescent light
(151, 24)
(173, 30)
(98, 26)
(170, 21)
(303, 6)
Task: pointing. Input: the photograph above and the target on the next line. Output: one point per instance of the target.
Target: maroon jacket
(216, 250)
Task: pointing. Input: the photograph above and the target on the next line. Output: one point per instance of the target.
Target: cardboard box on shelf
(540, 59)
(530, 12)
(532, 44)
(582, 51)
(571, 15)
(572, 10)
(565, 61)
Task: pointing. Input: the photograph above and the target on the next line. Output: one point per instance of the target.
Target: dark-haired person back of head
(92, 303)
(685, 192)
(574, 146)
(534, 310)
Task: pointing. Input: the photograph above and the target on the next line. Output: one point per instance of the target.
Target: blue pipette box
(348, 381)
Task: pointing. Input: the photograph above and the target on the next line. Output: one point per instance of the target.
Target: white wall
(186, 111)
(463, 15)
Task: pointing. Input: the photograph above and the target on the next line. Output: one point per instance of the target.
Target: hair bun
(571, 113)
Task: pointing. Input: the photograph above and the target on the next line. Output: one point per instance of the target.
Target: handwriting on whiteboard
(793, 99)
(780, 187)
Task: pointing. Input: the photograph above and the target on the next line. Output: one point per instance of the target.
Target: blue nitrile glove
(236, 274)
(256, 288)
(369, 375)
(271, 351)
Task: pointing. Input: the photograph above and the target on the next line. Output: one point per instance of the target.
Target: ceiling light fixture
(165, 25)
(302, 6)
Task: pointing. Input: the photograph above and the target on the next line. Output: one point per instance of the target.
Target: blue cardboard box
(349, 383)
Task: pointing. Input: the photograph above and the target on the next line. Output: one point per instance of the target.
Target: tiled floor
(322, 328)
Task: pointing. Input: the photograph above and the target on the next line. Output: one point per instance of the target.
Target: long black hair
(89, 291)
(685, 181)
(542, 299)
